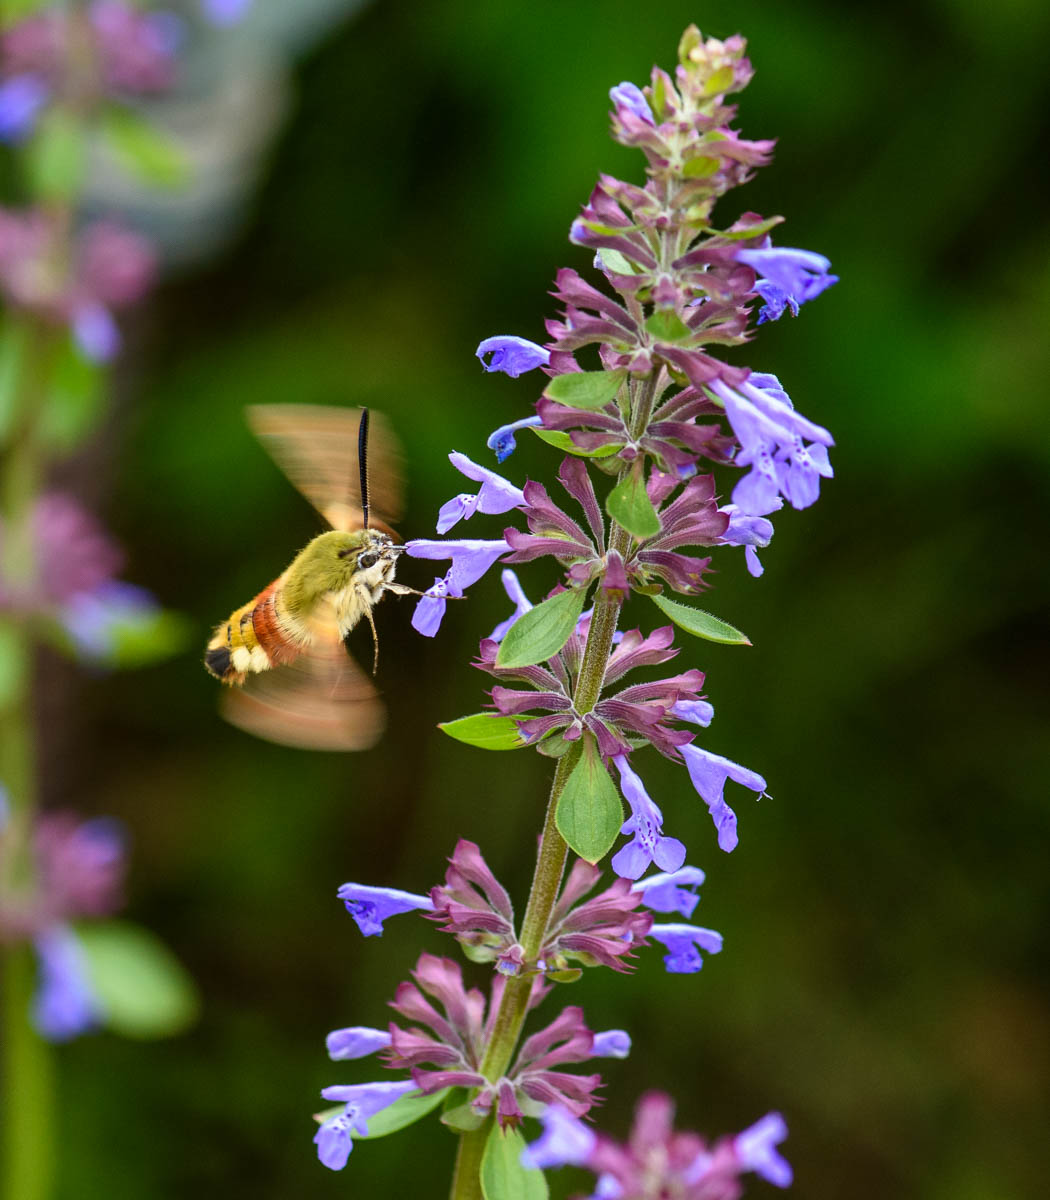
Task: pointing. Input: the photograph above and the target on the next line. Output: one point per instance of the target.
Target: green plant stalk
(550, 862)
(26, 1148)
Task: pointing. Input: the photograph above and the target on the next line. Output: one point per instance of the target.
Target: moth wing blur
(321, 701)
(316, 447)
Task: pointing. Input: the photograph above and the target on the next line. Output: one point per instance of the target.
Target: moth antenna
(362, 463)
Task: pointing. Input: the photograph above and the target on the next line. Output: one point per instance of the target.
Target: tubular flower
(496, 494)
(470, 560)
(753, 533)
(371, 906)
(657, 1161)
(451, 1029)
(787, 278)
(65, 1004)
(511, 355)
(334, 1139)
(647, 844)
(671, 891)
(684, 943)
(709, 773)
(501, 441)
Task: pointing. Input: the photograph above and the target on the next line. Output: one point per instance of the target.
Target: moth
(283, 653)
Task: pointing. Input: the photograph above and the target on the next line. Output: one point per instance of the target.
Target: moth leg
(399, 589)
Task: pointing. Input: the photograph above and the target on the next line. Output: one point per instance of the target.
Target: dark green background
(883, 982)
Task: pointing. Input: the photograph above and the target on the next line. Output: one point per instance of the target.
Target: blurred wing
(321, 701)
(316, 448)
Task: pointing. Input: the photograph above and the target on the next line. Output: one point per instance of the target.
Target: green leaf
(12, 356)
(542, 631)
(719, 80)
(629, 505)
(406, 1111)
(585, 389)
(144, 151)
(619, 264)
(144, 991)
(700, 623)
(464, 1118)
(502, 1175)
(557, 437)
(700, 167)
(75, 398)
(54, 157)
(589, 812)
(667, 326)
(487, 730)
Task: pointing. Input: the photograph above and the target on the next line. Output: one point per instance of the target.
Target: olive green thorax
(327, 565)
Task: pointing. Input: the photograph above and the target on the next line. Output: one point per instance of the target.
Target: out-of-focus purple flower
(671, 891)
(470, 560)
(225, 12)
(647, 844)
(709, 773)
(496, 494)
(21, 98)
(511, 355)
(501, 440)
(756, 1150)
(630, 97)
(96, 332)
(753, 533)
(358, 1041)
(697, 712)
(371, 906)
(772, 443)
(65, 1004)
(565, 1141)
(521, 602)
(613, 1043)
(80, 865)
(96, 619)
(788, 278)
(363, 1100)
(684, 943)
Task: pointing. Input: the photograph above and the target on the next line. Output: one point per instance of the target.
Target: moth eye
(368, 559)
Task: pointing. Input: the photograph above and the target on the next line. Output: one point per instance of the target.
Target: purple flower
(630, 97)
(521, 602)
(756, 1150)
(753, 533)
(97, 620)
(502, 440)
(647, 844)
(225, 12)
(671, 891)
(356, 1042)
(470, 560)
(772, 442)
(496, 494)
(512, 355)
(363, 1100)
(613, 1043)
(788, 278)
(709, 773)
(65, 1004)
(21, 98)
(565, 1141)
(684, 943)
(371, 906)
(698, 712)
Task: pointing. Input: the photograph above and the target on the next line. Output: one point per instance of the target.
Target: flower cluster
(78, 871)
(657, 1161)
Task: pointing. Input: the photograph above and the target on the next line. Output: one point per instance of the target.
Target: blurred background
(407, 177)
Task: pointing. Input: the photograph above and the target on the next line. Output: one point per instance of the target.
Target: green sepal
(699, 623)
(701, 166)
(569, 975)
(619, 264)
(402, 1113)
(463, 1119)
(142, 989)
(54, 157)
(560, 439)
(757, 230)
(488, 731)
(667, 326)
(592, 390)
(541, 632)
(629, 505)
(145, 152)
(718, 81)
(502, 1175)
(589, 812)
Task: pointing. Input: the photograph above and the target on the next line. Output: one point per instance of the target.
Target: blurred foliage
(883, 982)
